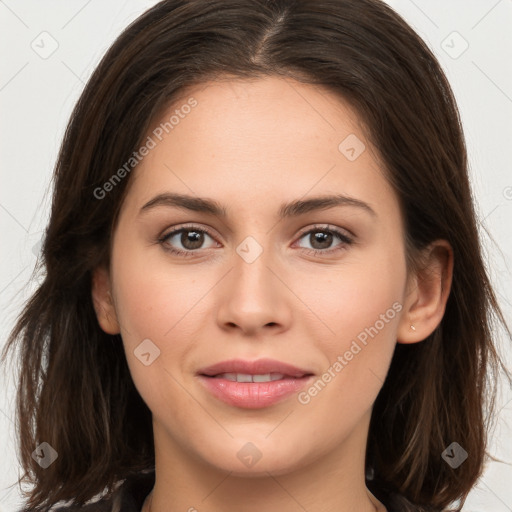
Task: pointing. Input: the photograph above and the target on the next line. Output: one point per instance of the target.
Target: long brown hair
(75, 391)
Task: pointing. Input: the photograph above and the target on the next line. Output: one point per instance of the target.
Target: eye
(321, 239)
(190, 238)
(186, 240)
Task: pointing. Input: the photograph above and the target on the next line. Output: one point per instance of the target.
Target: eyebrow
(292, 209)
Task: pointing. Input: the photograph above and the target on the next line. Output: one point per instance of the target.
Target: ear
(102, 301)
(427, 293)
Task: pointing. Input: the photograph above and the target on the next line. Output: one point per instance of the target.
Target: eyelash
(316, 252)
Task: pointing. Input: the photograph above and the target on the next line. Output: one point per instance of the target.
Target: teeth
(245, 377)
(267, 377)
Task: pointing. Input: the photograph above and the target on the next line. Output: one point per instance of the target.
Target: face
(275, 274)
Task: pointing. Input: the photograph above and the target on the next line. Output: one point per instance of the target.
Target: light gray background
(38, 91)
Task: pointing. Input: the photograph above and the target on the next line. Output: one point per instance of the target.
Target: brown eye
(321, 240)
(185, 240)
(191, 239)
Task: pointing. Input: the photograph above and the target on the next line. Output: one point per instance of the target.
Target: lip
(260, 366)
(253, 395)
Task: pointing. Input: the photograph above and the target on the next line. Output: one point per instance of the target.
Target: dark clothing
(128, 497)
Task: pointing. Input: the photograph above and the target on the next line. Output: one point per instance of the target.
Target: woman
(186, 350)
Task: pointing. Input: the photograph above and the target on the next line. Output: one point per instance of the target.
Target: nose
(254, 297)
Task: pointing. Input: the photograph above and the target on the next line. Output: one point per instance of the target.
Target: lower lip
(253, 395)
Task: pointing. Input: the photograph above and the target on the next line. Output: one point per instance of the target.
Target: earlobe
(428, 294)
(103, 302)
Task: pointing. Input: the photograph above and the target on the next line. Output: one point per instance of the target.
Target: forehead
(259, 109)
(259, 139)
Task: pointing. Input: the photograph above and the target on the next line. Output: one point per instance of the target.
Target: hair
(75, 390)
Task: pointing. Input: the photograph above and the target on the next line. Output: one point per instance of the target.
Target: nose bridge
(253, 296)
(252, 277)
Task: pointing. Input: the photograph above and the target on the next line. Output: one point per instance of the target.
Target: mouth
(241, 367)
(247, 377)
(253, 384)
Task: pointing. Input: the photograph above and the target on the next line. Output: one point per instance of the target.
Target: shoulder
(127, 497)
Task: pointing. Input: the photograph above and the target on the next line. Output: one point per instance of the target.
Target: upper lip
(258, 367)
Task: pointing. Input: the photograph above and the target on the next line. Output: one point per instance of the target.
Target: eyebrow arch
(292, 209)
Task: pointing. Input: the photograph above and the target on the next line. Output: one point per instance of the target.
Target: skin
(251, 146)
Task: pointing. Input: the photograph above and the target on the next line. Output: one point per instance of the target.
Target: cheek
(352, 296)
(364, 317)
(163, 304)
(152, 309)
(361, 305)
(363, 311)
(153, 297)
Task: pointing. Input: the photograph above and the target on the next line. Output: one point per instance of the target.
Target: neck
(333, 482)
(147, 506)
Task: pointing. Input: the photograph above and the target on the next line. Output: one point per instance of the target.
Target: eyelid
(188, 226)
(327, 227)
(345, 240)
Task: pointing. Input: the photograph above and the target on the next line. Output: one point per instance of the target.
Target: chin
(255, 459)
